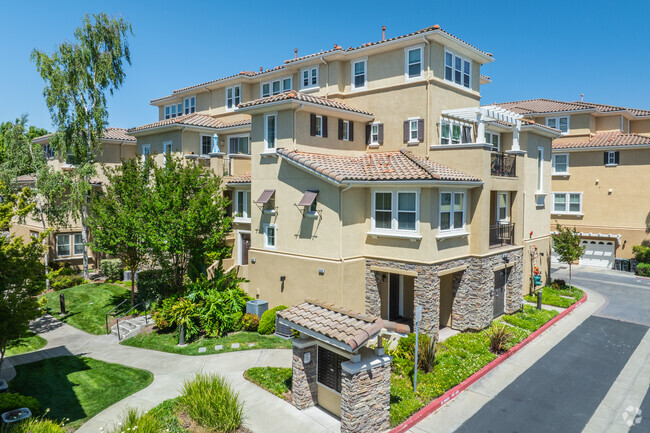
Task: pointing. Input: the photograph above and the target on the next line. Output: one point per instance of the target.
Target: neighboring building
(599, 161)
(65, 243)
(370, 177)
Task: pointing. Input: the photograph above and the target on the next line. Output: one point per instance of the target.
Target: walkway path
(264, 411)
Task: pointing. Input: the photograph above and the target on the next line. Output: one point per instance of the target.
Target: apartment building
(599, 162)
(370, 177)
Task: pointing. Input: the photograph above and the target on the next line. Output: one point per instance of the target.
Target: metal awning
(308, 199)
(265, 196)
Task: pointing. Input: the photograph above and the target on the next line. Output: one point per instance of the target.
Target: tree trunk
(133, 270)
(570, 284)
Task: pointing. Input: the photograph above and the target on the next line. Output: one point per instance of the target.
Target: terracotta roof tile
(194, 119)
(225, 125)
(244, 178)
(541, 105)
(110, 133)
(607, 139)
(376, 166)
(298, 96)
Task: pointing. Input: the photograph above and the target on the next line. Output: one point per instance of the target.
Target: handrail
(107, 314)
(117, 325)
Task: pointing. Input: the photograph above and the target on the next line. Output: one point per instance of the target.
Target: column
(304, 387)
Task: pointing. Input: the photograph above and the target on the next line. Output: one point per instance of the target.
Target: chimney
(582, 97)
(295, 53)
(261, 68)
(383, 33)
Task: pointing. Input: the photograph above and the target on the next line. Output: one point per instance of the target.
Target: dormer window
(233, 97)
(190, 105)
(309, 78)
(173, 110)
(561, 123)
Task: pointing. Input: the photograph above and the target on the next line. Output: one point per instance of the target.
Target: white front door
(598, 253)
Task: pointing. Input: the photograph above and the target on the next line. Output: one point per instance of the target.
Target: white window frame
(168, 145)
(611, 158)
(240, 246)
(374, 142)
(178, 110)
(72, 244)
(489, 138)
(555, 171)
(394, 227)
(281, 88)
(189, 105)
(567, 203)
(540, 170)
(201, 145)
(557, 123)
(452, 228)
(461, 125)
(246, 214)
(463, 61)
(265, 228)
(318, 126)
(310, 70)
(413, 121)
(499, 207)
(65, 236)
(346, 130)
(73, 237)
(241, 136)
(233, 99)
(148, 151)
(407, 50)
(353, 74)
(267, 148)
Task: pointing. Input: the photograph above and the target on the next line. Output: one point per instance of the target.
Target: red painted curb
(452, 393)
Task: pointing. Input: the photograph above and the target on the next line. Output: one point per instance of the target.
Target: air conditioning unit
(257, 307)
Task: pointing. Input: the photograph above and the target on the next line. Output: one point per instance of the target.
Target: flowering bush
(250, 322)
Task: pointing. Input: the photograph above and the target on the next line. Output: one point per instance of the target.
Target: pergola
(481, 115)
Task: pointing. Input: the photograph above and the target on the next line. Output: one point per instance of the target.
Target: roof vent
(383, 33)
(436, 27)
(295, 53)
(261, 68)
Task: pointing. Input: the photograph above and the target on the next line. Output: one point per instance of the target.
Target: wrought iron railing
(502, 234)
(502, 164)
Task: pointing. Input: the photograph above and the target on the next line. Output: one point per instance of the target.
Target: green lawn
(559, 298)
(88, 304)
(168, 342)
(275, 380)
(77, 388)
(28, 343)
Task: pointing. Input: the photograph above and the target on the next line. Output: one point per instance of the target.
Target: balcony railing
(502, 234)
(503, 165)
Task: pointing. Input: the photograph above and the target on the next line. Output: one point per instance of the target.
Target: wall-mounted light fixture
(321, 272)
(505, 258)
(253, 260)
(282, 278)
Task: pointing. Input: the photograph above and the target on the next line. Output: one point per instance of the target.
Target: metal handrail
(107, 314)
(117, 324)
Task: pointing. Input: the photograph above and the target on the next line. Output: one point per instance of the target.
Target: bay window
(452, 211)
(395, 211)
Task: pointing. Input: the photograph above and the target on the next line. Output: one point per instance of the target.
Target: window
(329, 368)
(413, 62)
(458, 70)
(206, 144)
(167, 147)
(173, 110)
(275, 87)
(63, 245)
(540, 171)
(395, 211)
(359, 74)
(239, 144)
(454, 132)
(190, 105)
(270, 231)
(345, 130)
(374, 134)
(64, 242)
(48, 151)
(78, 244)
(146, 150)
(269, 131)
(502, 207)
(309, 78)
(452, 211)
(318, 126)
(233, 97)
(567, 202)
(493, 138)
(561, 123)
(561, 163)
(611, 158)
(242, 204)
(413, 130)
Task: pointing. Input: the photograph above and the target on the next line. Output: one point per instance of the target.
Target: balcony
(502, 234)
(503, 165)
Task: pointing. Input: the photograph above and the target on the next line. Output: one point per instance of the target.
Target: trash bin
(618, 264)
(625, 265)
(257, 307)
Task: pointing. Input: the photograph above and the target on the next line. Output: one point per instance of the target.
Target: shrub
(153, 285)
(641, 253)
(210, 401)
(643, 269)
(267, 321)
(185, 312)
(558, 284)
(250, 322)
(426, 353)
(64, 278)
(499, 337)
(38, 425)
(142, 422)
(112, 269)
(162, 314)
(11, 401)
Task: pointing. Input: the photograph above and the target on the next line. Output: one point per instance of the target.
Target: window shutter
(421, 130)
(606, 159)
(325, 126)
(381, 133)
(406, 131)
(312, 125)
(351, 131)
(368, 134)
(616, 157)
(340, 129)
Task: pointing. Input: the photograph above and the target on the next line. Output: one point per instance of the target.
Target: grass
(166, 413)
(28, 343)
(77, 388)
(275, 380)
(144, 422)
(558, 297)
(530, 319)
(210, 401)
(168, 342)
(87, 305)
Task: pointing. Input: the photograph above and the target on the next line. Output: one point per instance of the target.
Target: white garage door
(598, 253)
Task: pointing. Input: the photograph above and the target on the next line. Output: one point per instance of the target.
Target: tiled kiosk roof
(607, 139)
(301, 97)
(375, 166)
(344, 326)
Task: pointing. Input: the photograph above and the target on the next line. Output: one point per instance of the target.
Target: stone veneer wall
(365, 400)
(304, 388)
(473, 289)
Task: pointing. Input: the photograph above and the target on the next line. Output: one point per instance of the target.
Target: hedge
(267, 321)
(643, 269)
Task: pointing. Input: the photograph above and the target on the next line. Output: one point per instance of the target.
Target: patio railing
(502, 234)
(502, 164)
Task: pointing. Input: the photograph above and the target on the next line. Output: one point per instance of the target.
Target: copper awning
(265, 196)
(308, 199)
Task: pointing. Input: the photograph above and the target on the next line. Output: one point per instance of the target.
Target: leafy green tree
(118, 217)
(21, 273)
(187, 221)
(78, 76)
(566, 243)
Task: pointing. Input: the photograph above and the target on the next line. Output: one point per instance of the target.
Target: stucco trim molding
(394, 271)
(452, 270)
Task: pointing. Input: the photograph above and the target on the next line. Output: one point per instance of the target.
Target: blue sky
(552, 49)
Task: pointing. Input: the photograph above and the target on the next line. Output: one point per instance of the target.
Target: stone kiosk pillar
(304, 387)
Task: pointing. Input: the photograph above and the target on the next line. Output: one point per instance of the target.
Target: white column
(480, 131)
(515, 135)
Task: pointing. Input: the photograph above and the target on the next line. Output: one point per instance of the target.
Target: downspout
(341, 234)
(427, 133)
(295, 145)
(327, 77)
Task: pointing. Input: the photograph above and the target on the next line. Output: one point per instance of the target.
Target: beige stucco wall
(608, 123)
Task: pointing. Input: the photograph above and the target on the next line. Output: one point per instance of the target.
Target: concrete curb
(453, 393)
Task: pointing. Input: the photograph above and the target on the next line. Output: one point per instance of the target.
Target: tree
(187, 220)
(118, 216)
(21, 273)
(78, 76)
(566, 243)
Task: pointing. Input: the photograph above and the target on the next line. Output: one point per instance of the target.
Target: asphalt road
(563, 389)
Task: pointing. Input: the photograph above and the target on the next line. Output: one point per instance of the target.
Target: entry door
(395, 304)
(245, 246)
(499, 292)
(446, 299)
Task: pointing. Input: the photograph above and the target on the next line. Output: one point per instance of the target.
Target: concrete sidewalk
(264, 412)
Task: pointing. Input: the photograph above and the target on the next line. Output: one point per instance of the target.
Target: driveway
(588, 373)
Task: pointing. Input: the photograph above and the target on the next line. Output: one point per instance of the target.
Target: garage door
(598, 253)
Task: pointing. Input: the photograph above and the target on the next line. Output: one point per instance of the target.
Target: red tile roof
(607, 139)
(541, 105)
(111, 133)
(340, 324)
(375, 166)
(245, 122)
(244, 178)
(301, 97)
(193, 119)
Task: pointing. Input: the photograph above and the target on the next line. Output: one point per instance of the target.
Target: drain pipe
(295, 146)
(427, 134)
(341, 234)
(327, 77)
